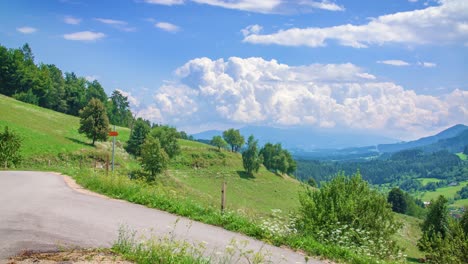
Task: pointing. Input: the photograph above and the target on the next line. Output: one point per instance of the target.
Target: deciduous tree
(167, 137)
(93, 121)
(396, 198)
(234, 139)
(250, 157)
(153, 157)
(219, 142)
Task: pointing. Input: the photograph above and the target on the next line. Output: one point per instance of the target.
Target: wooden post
(223, 197)
(49, 163)
(107, 165)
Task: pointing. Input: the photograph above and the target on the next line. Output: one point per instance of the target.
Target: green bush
(348, 212)
(10, 144)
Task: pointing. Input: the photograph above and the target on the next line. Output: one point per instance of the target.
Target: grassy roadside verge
(156, 196)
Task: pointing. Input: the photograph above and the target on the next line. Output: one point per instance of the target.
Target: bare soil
(65, 257)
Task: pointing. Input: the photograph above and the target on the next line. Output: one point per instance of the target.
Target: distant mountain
(424, 142)
(305, 139)
(453, 144)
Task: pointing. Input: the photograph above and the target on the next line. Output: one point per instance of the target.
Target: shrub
(10, 144)
(348, 205)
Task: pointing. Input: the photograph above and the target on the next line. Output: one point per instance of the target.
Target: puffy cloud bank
(445, 23)
(261, 92)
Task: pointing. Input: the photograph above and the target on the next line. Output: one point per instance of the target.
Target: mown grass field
(448, 192)
(425, 181)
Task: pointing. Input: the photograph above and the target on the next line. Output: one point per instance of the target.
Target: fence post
(107, 165)
(223, 197)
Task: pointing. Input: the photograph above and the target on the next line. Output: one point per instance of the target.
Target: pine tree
(138, 136)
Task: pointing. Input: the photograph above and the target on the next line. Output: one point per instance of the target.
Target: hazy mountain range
(305, 138)
(326, 144)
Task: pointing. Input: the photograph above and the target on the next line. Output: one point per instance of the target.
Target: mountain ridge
(423, 142)
(304, 138)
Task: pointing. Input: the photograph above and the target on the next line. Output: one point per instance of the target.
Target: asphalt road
(40, 211)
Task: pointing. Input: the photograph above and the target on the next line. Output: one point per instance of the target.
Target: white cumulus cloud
(261, 92)
(26, 30)
(166, 26)
(131, 99)
(445, 23)
(84, 36)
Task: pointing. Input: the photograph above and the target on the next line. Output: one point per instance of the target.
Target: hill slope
(202, 169)
(197, 173)
(44, 132)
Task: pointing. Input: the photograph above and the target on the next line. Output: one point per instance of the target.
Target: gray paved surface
(39, 211)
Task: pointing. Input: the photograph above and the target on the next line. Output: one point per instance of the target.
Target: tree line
(400, 169)
(273, 157)
(47, 86)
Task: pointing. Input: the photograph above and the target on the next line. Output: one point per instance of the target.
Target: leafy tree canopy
(250, 157)
(396, 198)
(234, 139)
(93, 121)
(167, 137)
(153, 157)
(219, 142)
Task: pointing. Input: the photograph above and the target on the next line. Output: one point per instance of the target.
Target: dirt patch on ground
(75, 186)
(65, 257)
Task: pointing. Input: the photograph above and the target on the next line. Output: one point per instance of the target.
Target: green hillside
(44, 132)
(203, 168)
(197, 173)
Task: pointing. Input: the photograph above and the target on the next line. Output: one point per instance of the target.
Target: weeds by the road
(168, 249)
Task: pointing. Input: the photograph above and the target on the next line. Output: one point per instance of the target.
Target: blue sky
(397, 67)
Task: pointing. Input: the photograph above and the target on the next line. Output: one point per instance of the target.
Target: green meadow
(190, 187)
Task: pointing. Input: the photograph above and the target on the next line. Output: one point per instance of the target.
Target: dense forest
(400, 168)
(47, 86)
